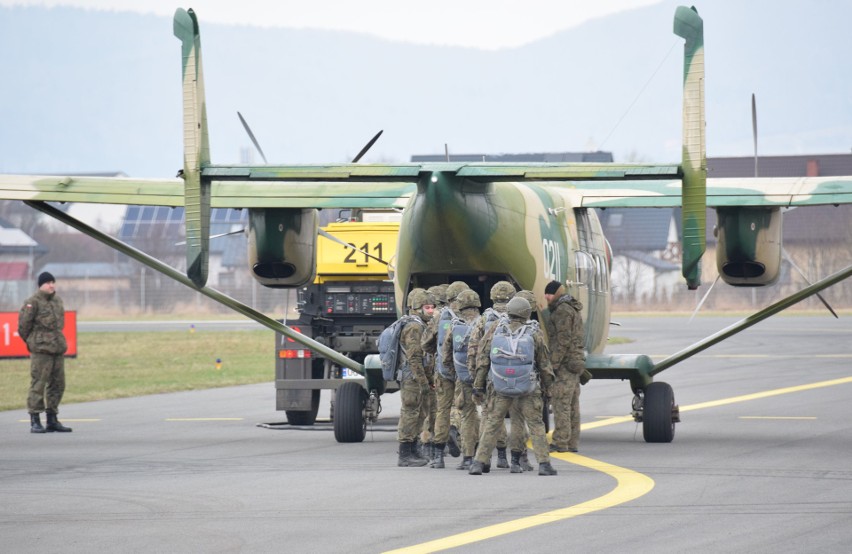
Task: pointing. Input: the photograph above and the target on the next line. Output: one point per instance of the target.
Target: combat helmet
(519, 307)
(529, 297)
(454, 289)
(502, 291)
(468, 299)
(439, 294)
(417, 297)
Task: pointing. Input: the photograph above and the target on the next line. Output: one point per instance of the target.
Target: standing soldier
(566, 335)
(501, 293)
(438, 296)
(525, 351)
(40, 325)
(518, 435)
(453, 355)
(414, 382)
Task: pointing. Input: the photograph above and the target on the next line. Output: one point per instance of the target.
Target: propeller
(251, 136)
(703, 298)
(367, 147)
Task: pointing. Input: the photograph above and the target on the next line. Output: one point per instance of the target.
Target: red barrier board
(11, 345)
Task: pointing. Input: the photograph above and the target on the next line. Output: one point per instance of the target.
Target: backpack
(460, 336)
(445, 323)
(388, 343)
(513, 360)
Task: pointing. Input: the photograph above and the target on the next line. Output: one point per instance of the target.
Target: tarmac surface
(759, 463)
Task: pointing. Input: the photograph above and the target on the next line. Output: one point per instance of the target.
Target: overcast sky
(485, 24)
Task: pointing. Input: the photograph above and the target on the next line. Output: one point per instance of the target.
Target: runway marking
(761, 356)
(726, 401)
(778, 417)
(204, 419)
(630, 485)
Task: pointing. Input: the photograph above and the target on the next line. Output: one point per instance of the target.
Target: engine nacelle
(748, 249)
(283, 246)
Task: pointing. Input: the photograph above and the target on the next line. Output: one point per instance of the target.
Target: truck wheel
(305, 418)
(349, 422)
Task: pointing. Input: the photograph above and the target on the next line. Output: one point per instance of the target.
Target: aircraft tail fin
(196, 148)
(689, 26)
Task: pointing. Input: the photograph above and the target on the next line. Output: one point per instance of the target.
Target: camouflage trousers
(469, 418)
(501, 436)
(530, 406)
(518, 433)
(47, 383)
(427, 415)
(565, 401)
(445, 391)
(411, 397)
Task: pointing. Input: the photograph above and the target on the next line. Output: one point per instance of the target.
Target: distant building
(18, 252)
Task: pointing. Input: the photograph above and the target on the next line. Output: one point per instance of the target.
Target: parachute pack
(460, 335)
(388, 343)
(513, 360)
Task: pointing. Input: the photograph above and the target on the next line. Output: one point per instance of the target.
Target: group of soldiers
(446, 378)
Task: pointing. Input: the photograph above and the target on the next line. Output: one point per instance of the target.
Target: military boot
(35, 424)
(465, 463)
(486, 467)
(453, 442)
(502, 462)
(476, 468)
(525, 462)
(546, 469)
(408, 456)
(439, 456)
(516, 463)
(429, 453)
(54, 425)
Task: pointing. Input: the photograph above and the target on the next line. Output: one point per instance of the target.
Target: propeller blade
(754, 129)
(703, 298)
(251, 136)
(802, 273)
(367, 147)
(329, 236)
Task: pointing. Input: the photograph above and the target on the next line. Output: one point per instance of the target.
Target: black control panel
(367, 299)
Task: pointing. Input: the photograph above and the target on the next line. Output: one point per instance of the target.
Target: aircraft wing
(784, 192)
(265, 187)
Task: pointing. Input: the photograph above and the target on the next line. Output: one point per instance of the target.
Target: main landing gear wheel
(659, 413)
(350, 425)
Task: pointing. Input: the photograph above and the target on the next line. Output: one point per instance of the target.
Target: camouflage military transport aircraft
(479, 222)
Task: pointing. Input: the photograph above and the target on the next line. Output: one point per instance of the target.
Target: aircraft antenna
(447, 151)
(638, 94)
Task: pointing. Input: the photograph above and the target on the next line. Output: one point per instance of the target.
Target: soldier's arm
(473, 346)
(542, 361)
(577, 358)
(410, 340)
(447, 355)
(429, 339)
(483, 361)
(560, 344)
(26, 317)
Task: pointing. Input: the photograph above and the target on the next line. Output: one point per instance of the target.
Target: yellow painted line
(731, 400)
(760, 356)
(630, 485)
(203, 419)
(777, 417)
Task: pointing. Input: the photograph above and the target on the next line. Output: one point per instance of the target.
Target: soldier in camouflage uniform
(414, 382)
(466, 307)
(529, 405)
(501, 293)
(566, 336)
(40, 325)
(519, 434)
(428, 408)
